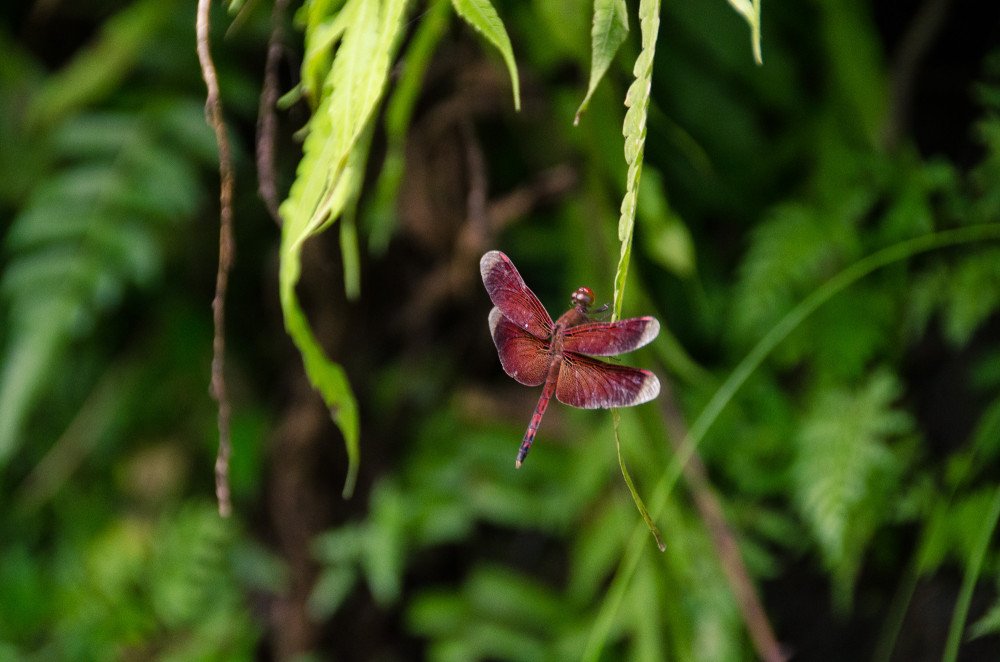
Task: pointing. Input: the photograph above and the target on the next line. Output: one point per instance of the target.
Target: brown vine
(213, 115)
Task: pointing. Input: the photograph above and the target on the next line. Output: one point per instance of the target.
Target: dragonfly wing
(523, 356)
(591, 384)
(511, 295)
(611, 338)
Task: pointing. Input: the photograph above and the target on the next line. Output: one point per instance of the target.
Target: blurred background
(856, 469)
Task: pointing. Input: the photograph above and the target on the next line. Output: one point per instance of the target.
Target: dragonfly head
(583, 298)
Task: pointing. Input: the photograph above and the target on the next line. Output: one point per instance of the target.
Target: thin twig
(723, 540)
(213, 115)
(267, 119)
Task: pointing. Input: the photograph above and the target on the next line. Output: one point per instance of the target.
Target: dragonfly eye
(584, 297)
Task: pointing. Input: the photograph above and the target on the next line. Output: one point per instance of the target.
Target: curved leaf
(124, 178)
(329, 181)
(481, 15)
(609, 31)
(750, 11)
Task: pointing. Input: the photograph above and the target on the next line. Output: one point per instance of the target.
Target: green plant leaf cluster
(127, 182)
(815, 431)
(345, 74)
(828, 351)
(108, 167)
(97, 193)
(345, 89)
(846, 472)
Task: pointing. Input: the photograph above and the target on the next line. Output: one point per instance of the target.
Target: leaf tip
(351, 480)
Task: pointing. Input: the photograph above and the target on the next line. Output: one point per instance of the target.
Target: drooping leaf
(481, 15)
(329, 180)
(381, 216)
(750, 11)
(609, 31)
(634, 131)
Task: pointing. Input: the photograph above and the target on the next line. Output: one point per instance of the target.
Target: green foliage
(789, 253)
(609, 30)
(346, 93)
(818, 292)
(634, 131)
(398, 113)
(827, 296)
(846, 472)
(97, 70)
(986, 528)
(481, 15)
(128, 181)
(107, 162)
(139, 587)
(665, 238)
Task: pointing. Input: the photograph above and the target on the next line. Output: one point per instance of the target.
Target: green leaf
(986, 528)
(634, 130)
(381, 218)
(123, 178)
(750, 11)
(332, 588)
(481, 15)
(845, 471)
(988, 623)
(665, 237)
(98, 69)
(328, 183)
(635, 495)
(609, 31)
(859, 71)
(386, 542)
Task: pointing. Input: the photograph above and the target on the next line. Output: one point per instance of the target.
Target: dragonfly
(535, 350)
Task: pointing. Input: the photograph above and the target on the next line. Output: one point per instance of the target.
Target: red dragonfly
(535, 350)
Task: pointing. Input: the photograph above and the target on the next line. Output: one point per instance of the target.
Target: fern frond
(973, 294)
(127, 179)
(190, 552)
(789, 254)
(964, 293)
(845, 471)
